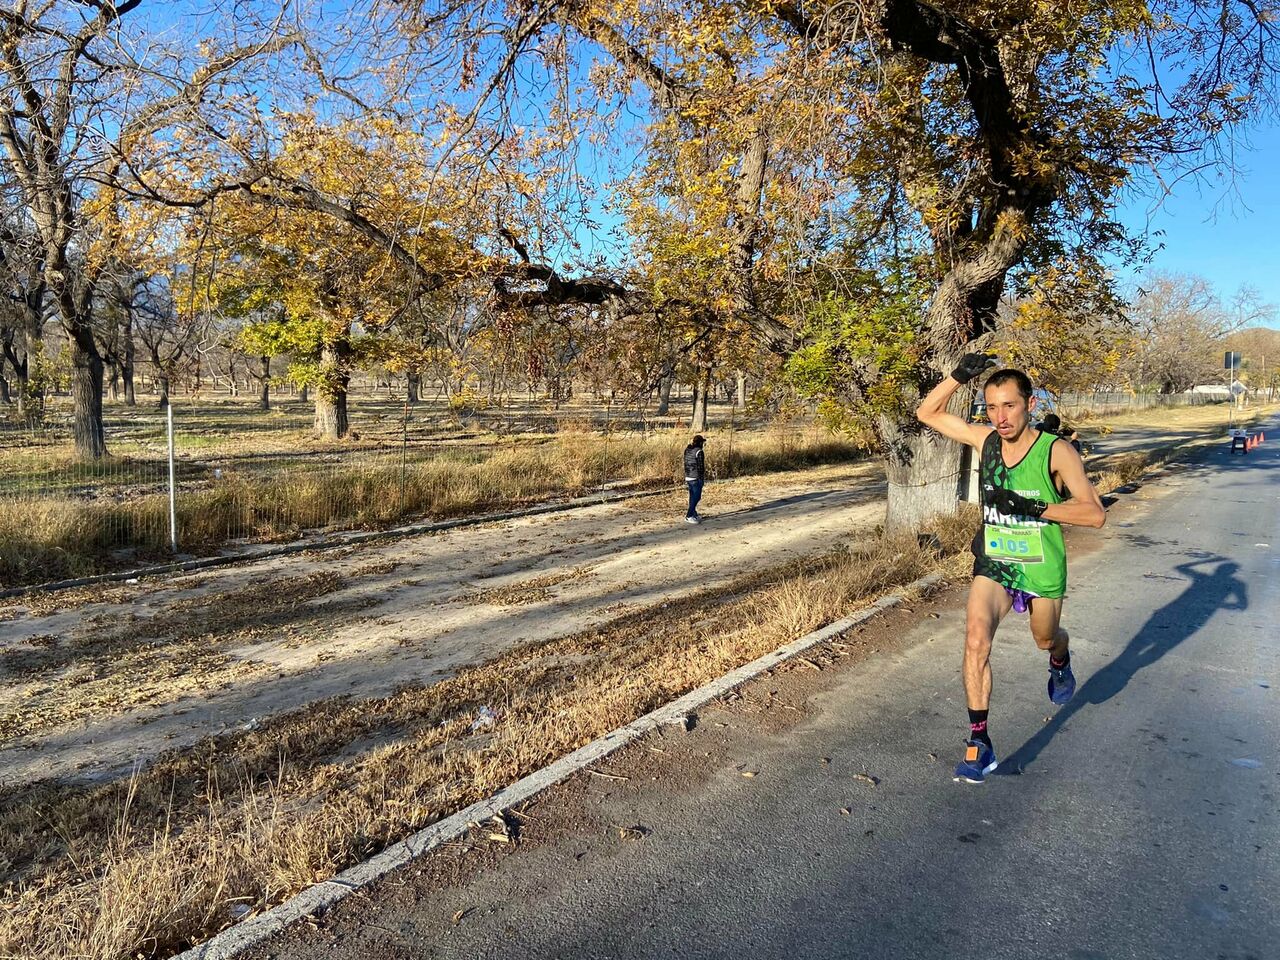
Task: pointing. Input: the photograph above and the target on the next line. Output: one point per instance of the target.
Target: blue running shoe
(1062, 684)
(979, 760)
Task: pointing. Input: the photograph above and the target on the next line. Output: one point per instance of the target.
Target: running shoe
(979, 760)
(1062, 684)
(692, 519)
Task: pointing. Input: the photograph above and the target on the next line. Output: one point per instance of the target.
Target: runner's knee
(977, 640)
(1047, 640)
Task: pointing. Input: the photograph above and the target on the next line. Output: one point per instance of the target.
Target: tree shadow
(1167, 627)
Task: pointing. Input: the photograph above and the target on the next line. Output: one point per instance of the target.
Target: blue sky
(1228, 233)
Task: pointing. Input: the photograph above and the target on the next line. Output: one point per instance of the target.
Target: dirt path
(96, 682)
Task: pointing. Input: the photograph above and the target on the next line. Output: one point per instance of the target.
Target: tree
(78, 98)
(965, 147)
(1179, 325)
(22, 315)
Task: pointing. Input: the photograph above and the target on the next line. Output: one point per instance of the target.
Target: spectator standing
(695, 472)
(1053, 424)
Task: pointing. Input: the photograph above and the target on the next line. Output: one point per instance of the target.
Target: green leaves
(862, 352)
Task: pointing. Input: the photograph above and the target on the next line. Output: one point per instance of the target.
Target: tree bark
(5, 396)
(126, 368)
(331, 394)
(331, 415)
(700, 391)
(664, 395)
(264, 381)
(741, 402)
(86, 397)
(923, 473)
(413, 389)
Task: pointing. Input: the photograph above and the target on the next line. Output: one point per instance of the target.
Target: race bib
(1015, 543)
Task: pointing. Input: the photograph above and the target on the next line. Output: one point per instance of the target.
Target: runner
(1020, 557)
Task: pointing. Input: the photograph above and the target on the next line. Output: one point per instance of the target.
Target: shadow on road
(1206, 594)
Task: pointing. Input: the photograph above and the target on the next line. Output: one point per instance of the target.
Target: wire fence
(1105, 403)
(241, 474)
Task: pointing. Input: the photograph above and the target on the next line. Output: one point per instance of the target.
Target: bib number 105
(1013, 544)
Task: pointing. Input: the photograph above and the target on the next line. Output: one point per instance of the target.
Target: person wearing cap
(695, 472)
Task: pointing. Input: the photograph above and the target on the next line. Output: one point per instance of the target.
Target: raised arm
(933, 412)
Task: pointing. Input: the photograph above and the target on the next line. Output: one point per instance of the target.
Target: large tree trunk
(413, 388)
(86, 397)
(331, 414)
(331, 395)
(923, 473)
(126, 369)
(5, 396)
(700, 391)
(264, 385)
(162, 378)
(664, 394)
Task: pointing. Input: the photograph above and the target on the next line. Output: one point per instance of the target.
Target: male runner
(1020, 557)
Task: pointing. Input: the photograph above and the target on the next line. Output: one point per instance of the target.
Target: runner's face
(1008, 411)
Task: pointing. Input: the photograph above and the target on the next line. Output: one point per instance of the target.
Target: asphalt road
(1139, 821)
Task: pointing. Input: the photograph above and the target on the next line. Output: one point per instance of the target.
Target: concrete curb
(331, 542)
(323, 895)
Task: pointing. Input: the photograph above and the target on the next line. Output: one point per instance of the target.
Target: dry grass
(51, 539)
(150, 866)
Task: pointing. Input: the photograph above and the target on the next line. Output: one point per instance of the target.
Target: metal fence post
(173, 490)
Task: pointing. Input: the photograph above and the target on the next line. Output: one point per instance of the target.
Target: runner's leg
(988, 604)
(1046, 616)
(1049, 635)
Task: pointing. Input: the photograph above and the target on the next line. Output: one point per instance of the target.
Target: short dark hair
(1052, 422)
(698, 440)
(1016, 377)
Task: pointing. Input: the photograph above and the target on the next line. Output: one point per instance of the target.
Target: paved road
(1139, 822)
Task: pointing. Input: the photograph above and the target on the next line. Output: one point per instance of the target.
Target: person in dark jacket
(1052, 423)
(695, 472)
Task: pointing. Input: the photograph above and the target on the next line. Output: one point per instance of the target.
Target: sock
(978, 726)
(1059, 664)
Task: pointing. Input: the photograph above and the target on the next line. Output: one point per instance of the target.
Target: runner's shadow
(1165, 629)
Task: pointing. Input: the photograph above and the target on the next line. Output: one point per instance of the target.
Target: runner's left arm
(1085, 508)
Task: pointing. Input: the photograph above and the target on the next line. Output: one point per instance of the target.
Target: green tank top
(1020, 552)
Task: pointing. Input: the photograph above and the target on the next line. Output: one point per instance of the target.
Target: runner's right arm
(933, 412)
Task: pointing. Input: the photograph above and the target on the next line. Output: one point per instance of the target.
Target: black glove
(1009, 502)
(972, 364)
